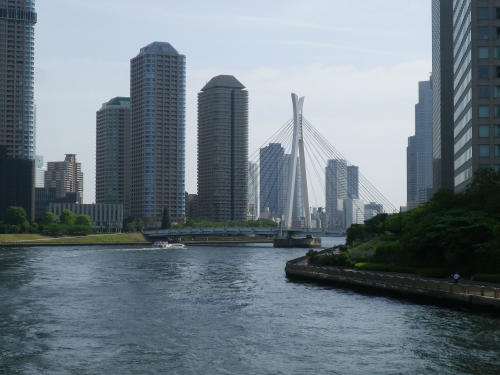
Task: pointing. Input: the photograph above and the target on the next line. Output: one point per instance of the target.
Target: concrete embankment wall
(472, 295)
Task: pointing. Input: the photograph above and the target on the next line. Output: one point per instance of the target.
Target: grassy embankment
(28, 238)
(451, 233)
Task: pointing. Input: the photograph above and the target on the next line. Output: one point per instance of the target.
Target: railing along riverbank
(464, 293)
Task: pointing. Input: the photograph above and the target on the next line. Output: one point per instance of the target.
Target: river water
(217, 310)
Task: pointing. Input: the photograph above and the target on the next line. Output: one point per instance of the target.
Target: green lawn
(101, 238)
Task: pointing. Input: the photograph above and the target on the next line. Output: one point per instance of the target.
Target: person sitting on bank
(455, 277)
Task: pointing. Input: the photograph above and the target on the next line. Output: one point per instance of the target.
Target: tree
(67, 217)
(165, 221)
(15, 216)
(48, 218)
(83, 220)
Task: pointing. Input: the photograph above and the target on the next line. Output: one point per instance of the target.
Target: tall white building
(39, 172)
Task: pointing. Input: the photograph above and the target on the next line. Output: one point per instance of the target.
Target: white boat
(166, 245)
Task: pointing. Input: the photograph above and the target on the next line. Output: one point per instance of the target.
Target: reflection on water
(217, 310)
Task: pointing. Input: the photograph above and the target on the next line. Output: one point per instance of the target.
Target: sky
(357, 64)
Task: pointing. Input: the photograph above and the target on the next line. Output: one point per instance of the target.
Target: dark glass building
(17, 185)
(269, 167)
(223, 149)
(113, 153)
(442, 94)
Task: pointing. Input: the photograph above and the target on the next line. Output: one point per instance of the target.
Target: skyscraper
(270, 157)
(66, 177)
(157, 100)
(17, 46)
(113, 153)
(442, 94)
(419, 154)
(411, 173)
(476, 92)
(223, 149)
(353, 182)
(336, 192)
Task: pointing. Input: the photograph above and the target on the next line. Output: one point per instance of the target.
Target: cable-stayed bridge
(299, 179)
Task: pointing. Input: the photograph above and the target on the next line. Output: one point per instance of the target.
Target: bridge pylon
(297, 159)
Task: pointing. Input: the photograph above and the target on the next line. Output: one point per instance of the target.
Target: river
(217, 310)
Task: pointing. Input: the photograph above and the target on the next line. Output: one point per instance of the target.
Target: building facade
(157, 101)
(17, 49)
(419, 151)
(353, 182)
(39, 172)
(476, 88)
(269, 169)
(66, 177)
(113, 143)
(223, 149)
(336, 193)
(104, 217)
(17, 184)
(442, 95)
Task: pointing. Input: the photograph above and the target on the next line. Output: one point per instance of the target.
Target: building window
(482, 33)
(482, 52)
(497, 13)
(484, 91)
(497, 151)
(496, 52)
(484, 131)
(483, 71)
(497, 91)
(497, 168)
(497, 111)
(497, 131)
(484, 151)
(498, 32)
(484, 111)
(498, 71)
(482, 13)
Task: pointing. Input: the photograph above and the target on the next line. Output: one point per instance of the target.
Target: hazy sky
(356, 62)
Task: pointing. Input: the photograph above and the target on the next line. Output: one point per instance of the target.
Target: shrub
(383, 267)
(433, 272)
(488, 277)
(334, 260)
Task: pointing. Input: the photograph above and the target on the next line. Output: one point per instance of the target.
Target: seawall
(466, 294)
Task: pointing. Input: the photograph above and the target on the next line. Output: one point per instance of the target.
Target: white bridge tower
(297, 157)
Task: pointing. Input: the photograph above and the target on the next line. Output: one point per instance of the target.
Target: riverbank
(21, 240)
(469, 294)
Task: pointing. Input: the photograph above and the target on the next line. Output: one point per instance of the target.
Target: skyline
(384, 86)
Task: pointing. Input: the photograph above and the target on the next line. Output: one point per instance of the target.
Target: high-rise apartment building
(419, 153)
(66, 177)
(336, 192)
(270, 161)
(17, 49)
(113, 143)
(223, 149)
(442, 94)
(157, 100)
(476, 88)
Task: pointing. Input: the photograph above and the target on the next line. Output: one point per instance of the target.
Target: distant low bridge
(230, 231)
